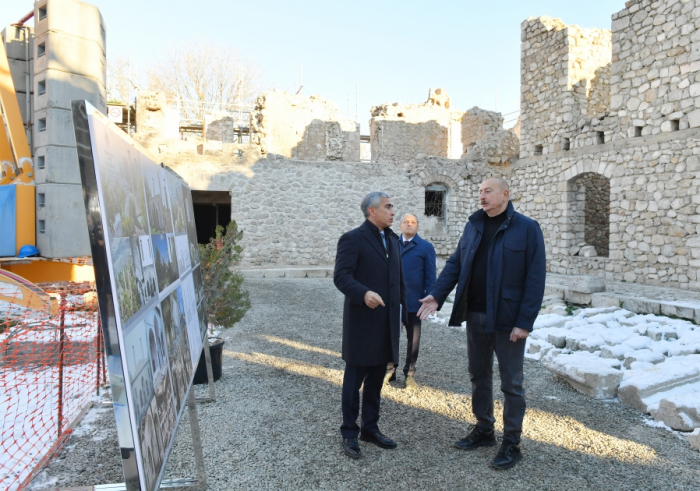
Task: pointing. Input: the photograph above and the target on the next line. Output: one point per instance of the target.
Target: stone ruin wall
(478, 124)
(655, 75)
(294, 212)
(562, 79)
(400, 132)
(304, 128)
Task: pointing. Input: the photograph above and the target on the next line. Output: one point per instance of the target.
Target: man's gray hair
(403, 217)
(501, 182)
(372, 200)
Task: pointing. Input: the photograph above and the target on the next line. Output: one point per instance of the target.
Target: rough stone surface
(681, 412)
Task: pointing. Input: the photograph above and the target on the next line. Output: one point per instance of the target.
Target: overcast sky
(394, 51)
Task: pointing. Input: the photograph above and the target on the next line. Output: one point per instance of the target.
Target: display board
(149, 285)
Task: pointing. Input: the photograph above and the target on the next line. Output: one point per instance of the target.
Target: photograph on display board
(191, 318)
(138, 361)
(143, 239)
(177, 203)
(165, 260)
(180, 369)
(157, 202)
(127, 284)
(198, 285)
(122, 186)
(202, 312)
(191, 227)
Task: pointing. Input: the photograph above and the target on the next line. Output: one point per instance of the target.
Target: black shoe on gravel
(351, 448)
(477, 438)
(507, 456)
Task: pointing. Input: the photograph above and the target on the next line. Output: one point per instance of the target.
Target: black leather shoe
(477, 438)
(351, 448)
(507, 456)
(378, 439)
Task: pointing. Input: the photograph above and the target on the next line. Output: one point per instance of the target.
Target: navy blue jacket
(370, 336)
(418, 259)
(515, 274)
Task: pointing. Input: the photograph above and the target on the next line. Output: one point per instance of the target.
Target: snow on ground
(648, 361)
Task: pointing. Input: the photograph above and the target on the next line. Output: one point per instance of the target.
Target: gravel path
(275, 424)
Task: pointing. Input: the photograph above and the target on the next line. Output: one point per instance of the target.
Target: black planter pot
(216, 347)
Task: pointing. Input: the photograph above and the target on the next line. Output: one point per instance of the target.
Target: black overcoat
(370, 336)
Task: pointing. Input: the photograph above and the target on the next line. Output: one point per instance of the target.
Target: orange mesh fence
(51, 367)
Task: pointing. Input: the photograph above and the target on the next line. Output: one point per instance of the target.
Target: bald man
(499, 270)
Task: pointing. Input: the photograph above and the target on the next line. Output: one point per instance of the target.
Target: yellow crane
(15, 165)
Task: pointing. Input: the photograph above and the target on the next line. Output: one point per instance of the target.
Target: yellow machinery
(18, 195)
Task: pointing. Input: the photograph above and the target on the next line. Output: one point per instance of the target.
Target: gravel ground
(275, 424)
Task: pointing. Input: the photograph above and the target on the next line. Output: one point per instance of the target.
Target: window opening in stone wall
(40, 200)
(600, 137)
(41, 87)
(567, 144)
(41, 124)
(436, 201)
(675, 125)
(538, 149)
(40, 49)
(42, 13)
(41, 162)
(637, 131)
(42, 226)
(590, 215)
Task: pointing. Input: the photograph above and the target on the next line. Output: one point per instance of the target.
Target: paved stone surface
(275, 422)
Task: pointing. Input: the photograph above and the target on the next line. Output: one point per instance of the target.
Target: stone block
(53, 126)
(680, 412)
(18, 70)
(295, 273)
(557, 337)
(274, 273)
(577, 297)
(14, 43)
(618, 351)
(317, 273)
(594, 376)
(642, 384)
(585, 283)
(60, 88)
(64, 220)
(60, 165)
(253, 273)
(599, 300)
(694, 119)
(72, 17)
(643, 355)
(59, 51)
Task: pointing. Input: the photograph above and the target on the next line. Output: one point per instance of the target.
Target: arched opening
(436, 205)
(589, 215)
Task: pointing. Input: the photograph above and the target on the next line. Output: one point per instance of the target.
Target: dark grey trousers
(480, 348)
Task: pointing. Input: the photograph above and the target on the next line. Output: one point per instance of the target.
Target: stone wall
(400, 132)
(478, 124)
(654, 77)
(654, 225)
(304, 128)
(563, 79)
(294, 212)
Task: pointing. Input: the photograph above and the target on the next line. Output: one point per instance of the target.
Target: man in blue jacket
(418, 260)
(499, 270)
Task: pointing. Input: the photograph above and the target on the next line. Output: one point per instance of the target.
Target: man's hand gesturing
(429, 307)
(372, 299)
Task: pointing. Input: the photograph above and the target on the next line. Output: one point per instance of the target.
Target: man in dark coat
(368, 272)
(418, 261)
(499, 269)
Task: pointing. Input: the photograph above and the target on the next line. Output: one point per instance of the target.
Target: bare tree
(119, 79)
(210, 76)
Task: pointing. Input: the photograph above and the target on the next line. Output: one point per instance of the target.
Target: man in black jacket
(499, 269)
(368, 272)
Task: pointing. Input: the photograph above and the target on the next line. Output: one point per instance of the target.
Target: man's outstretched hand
(518, 333)
(372, 299)
(430, 305)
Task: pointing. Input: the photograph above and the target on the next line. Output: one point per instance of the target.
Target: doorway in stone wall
(589, 215)
(211, 208)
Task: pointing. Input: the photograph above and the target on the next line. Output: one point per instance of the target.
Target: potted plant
(226, 300)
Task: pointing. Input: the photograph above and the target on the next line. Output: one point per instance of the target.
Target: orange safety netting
(52, 366)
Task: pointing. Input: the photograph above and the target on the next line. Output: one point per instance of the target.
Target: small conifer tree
(227, 301)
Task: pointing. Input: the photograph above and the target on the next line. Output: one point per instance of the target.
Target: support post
(98, 355)
(210, 372)
(196, 441)
(61, 349)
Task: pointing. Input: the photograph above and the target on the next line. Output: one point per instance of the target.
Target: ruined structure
(619, 161)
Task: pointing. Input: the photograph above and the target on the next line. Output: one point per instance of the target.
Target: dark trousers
(413, 329)
(373, 377)
(480, 348)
